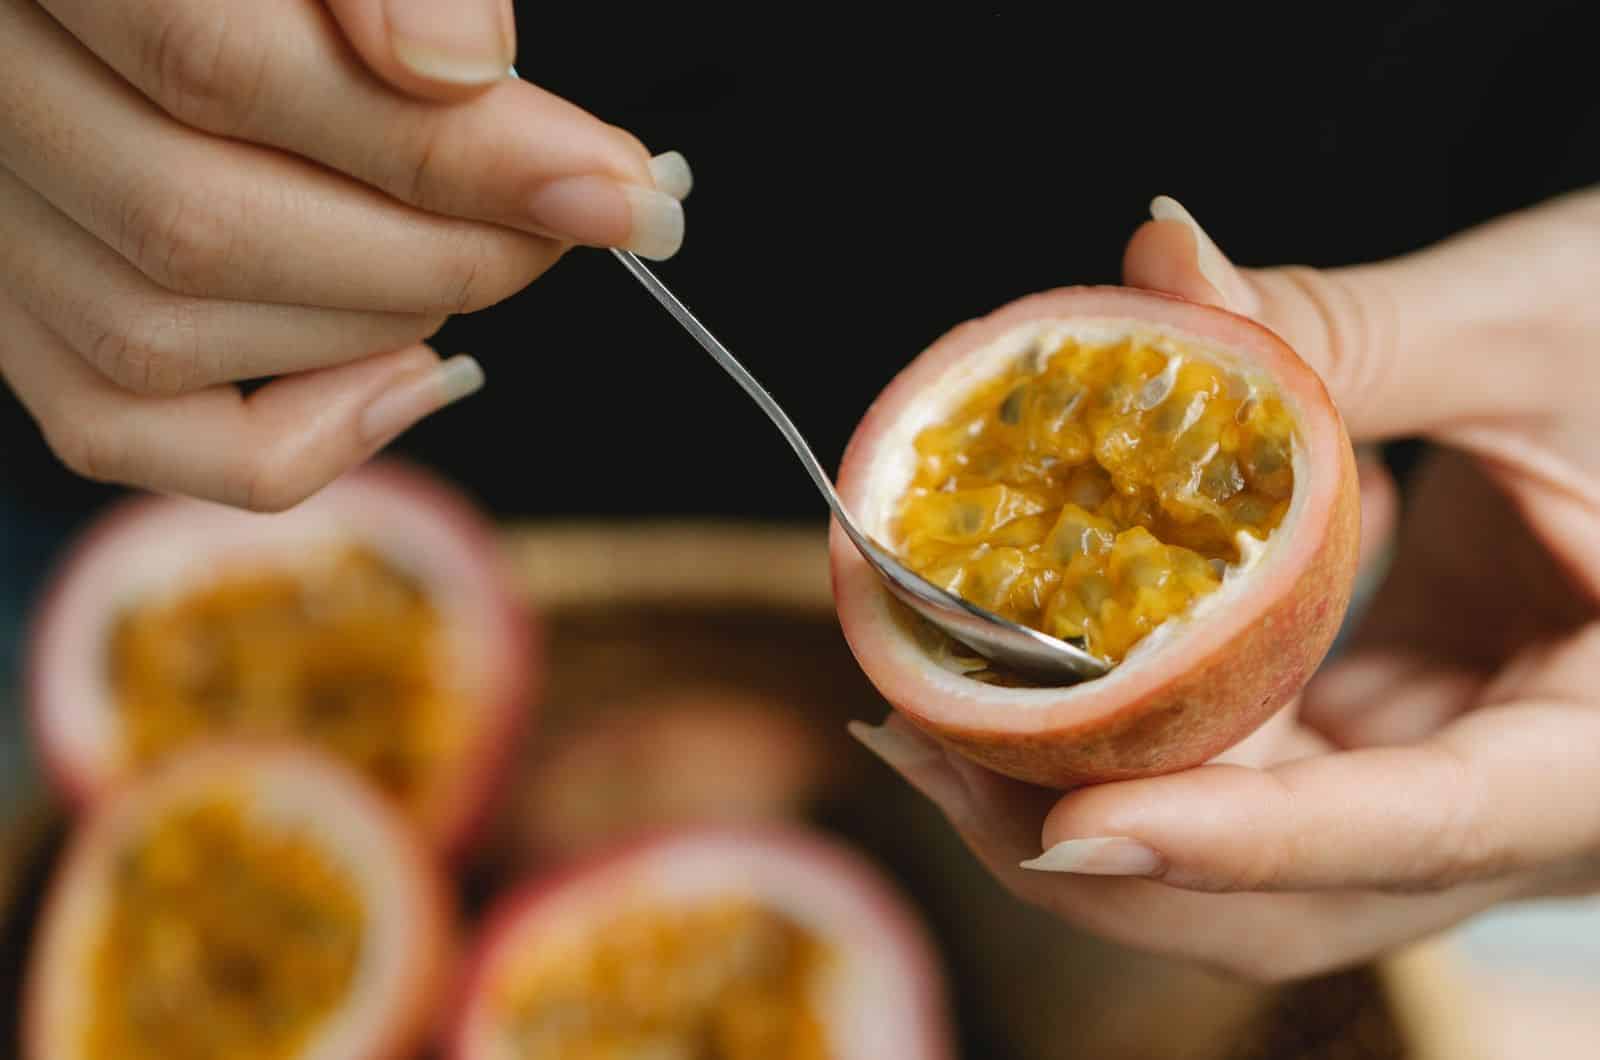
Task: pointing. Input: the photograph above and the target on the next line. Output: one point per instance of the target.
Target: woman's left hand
(1450, 760)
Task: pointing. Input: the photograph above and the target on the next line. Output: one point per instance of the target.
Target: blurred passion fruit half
(247, 903)
(1166, 484)
(373, 620)
(735, 943)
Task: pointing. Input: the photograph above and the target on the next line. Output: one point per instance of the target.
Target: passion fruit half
(738, 943)
(243, 902)
(1166, 484)
(372, 620)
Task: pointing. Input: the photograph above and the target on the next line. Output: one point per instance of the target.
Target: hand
(200, 192)
(1447, 761)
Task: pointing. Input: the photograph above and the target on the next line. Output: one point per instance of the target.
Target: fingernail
(672, 175)
(600, 211)
(464, 44)
(416, 396)
(1099, 856)
(1221, 273)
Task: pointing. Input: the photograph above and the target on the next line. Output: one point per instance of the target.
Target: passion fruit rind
(761, 865)
(415, 520)
(409, 943)
(1197, 685)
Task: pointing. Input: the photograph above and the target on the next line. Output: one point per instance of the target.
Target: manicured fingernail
(1099, 856)
(1221, 273)
(894, 747)
(672, 174)
(416, 396)
(603, 212)
(462, 43)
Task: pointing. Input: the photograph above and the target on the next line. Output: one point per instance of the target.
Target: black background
(861, 188)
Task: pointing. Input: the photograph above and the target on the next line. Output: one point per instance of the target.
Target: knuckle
(179, 238)
(469, 289)
(265, 482)
(1356, 329)
(1467, 847)
(203, 68)
(149, 349)
(418, 178)
(82, 445)
(482, 267)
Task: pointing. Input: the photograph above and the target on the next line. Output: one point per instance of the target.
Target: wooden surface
(636, 611)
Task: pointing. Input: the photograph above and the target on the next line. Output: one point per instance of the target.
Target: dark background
(862, 188)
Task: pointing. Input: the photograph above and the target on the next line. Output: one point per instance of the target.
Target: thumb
(432, 49)
(1400, 344)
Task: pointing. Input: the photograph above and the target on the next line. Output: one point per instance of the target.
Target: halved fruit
(741, 944)
(244, 902)
(685, 756)
(1165, 483)
(372, 620)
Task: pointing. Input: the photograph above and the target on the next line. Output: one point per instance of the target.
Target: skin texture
(1202, 696)
(1445, 762)
(196, 194)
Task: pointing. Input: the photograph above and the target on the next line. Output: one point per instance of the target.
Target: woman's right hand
(195, 193)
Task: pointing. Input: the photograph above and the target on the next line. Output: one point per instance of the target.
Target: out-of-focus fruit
(252, 903)
(372, 620)
(741, 944)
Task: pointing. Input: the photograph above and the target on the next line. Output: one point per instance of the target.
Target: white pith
(873, 996)
(890, 472)
(281, 791)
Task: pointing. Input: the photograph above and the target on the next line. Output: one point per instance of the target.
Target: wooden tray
(634, 609)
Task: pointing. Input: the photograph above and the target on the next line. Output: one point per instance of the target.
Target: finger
(1388, 695)
(149, 340)
(428, 49)
(1262, 937)
(203, 216)
(1390, 350)
(274, 72)
(266, 452)
(1502, 791)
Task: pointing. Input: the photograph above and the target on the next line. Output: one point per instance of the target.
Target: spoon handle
(742, 376)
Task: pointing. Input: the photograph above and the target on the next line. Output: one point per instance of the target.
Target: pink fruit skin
(432, 922)
(1197, 700)
(506, 721)
(927, 1031)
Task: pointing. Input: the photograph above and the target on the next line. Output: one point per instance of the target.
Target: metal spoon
(1001, 641)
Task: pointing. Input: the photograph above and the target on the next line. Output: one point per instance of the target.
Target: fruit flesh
(724, 979)
(1094, 490)
(224, 937)
(339, 647)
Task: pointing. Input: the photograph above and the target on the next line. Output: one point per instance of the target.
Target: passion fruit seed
(1098, 491)
(223, 937)
(340, 648)
(730, 979)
